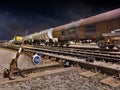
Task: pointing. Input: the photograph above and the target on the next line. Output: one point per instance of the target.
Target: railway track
(46, 67)
(109, 64)
(82, 60)
(35, 72)
(87, 53)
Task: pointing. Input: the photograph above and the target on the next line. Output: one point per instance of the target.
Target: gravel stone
(71, 80)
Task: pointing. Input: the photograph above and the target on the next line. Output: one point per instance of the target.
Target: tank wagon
(44, 37)
(17, 40)
(88, 29)
(28, 39)
(91, 28)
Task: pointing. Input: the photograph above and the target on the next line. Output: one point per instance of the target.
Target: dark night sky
(17, 16)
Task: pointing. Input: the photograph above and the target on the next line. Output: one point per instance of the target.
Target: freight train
(93, 29)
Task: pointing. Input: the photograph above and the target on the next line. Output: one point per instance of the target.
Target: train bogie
(113, 38)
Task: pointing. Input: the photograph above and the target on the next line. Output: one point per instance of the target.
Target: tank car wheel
(67, 45)
(111, 46)
(102, 45)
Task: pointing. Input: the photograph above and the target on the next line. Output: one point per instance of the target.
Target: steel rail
(82, 63)
(113, 58)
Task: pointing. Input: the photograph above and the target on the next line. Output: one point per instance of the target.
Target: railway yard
(81, 55)
(62, 68)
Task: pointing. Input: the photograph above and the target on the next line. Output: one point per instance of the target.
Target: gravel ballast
(70, 80)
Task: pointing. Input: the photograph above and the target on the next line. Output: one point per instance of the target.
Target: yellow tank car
(18, 39)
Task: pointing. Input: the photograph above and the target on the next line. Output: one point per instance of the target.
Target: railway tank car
(28, 39)
(17, 40)
(90, 28)
(41, 38)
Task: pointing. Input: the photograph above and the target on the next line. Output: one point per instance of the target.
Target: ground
(70, 80)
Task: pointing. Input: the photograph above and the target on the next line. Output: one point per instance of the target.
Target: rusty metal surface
(61, 27)
(102, 17)
(108, 21)
(97, 18)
